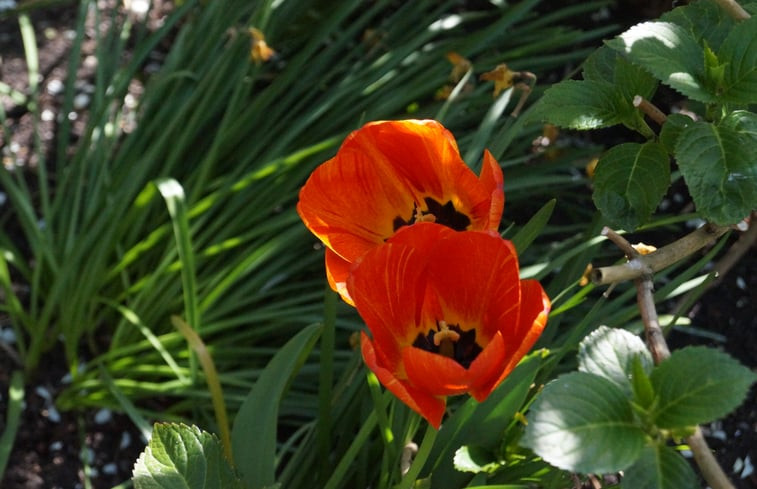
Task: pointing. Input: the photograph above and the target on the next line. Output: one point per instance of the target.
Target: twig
(729, 259)
(638, 265)
(734, 9)
(708, 465)
(650, 109)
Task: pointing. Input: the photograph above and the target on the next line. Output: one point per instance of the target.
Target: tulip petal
(429, 406)
(486, 371)
(337, 271)
(388, 289)
(434, 373)
(493, 180)
(475, 275)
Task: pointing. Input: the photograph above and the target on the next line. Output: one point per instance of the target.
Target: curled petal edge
(428, 406)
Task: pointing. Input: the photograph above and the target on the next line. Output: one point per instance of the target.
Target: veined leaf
(672, 128)
(630, 181)
(584, 423)
(696, 385)
(659, 467)
(609, 353)
(670, 53)
(183, 457)
(582, 105)
(717, 162)
(706, 21)
(739, 50)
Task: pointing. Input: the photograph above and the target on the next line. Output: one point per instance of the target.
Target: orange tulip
(390, 174)
(447, 312)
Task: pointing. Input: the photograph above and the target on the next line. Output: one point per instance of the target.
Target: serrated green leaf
(253, 436)
(706, 22)
(643, 392)
(739, 53)
(631, 80)
(717, 162)
(580, 105)
(600, 65)
(671, 129)
(475, 459)
(584, 423)
(670, 53)
(696, 385)
(609, 353)
(183, 457)
(630, 181)
(659, 467)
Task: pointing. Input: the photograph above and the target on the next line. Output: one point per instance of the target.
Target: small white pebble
(55, 446)
(109, 469)
(81, 101)
(719, 434)
(741, 283)
(72, 116)
(738, 465)
(52, 414)
(103, 416)
(7, 336)
(55, 87)
(43, 393)
(47, 115)
(125, 440)
(7, 4)
(748, 468)
(687, 454)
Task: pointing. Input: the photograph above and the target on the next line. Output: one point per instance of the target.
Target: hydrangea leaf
(717, 162)
(630, 181)
(584, 423)
(586, 104)
(659, 467)
(183, 457)
(670, 53)
(706, 21)
(696, 385)
(740, 51)
(610, 352)
(672, 128)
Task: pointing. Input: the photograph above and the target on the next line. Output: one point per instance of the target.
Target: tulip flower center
(444, 214)
(450, 341)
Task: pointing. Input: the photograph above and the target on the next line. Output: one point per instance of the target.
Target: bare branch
(639, 265)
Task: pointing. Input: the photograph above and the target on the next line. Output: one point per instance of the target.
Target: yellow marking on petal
(260, 51)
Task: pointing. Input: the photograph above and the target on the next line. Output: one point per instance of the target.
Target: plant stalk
(708, 465)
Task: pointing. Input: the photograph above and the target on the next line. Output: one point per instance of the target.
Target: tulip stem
(420, 458)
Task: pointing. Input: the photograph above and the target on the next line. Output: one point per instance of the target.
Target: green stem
(420, 458)
(326, 381)
(351, 454)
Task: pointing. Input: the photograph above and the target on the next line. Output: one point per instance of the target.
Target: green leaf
(643, 392)
(609, 353)
(526, 235)
(670, 53)
(739, 52)
(672, 128)
(482, 424)
(580, 105)
(475, 459)
(659, 467)
(253, 437)
(630, 181)
(584, 423)
(600, 65)
(696, 385)
(629, 80)
(183, 457)
(717, 162)
(705, 21)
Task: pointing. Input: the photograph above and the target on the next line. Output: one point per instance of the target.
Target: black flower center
(444, 214)
(450, 341)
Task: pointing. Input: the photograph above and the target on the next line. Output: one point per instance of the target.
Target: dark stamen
(444, 214)
(464, 350)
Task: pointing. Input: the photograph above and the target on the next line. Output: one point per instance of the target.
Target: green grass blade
(253, 436)
(15, 407)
